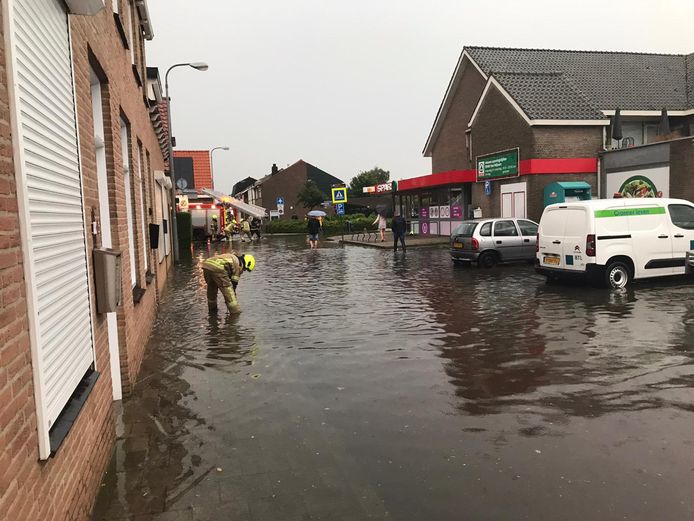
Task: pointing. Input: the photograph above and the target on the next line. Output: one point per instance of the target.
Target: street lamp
(201, 66)
(212, 162)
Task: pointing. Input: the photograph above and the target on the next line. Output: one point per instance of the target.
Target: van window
(527, 228)
(486, 230)
(552, 223)
(682, 215)
(505, 229)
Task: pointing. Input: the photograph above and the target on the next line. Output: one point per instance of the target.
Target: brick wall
(64, 487)
(569, 141)
(286, 183)
(449, 151)
(682, 169)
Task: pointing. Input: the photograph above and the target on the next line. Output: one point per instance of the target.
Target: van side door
(507, 240)
(651, 240)
(682, 230)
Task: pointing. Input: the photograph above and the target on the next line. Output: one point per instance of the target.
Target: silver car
(489, 241)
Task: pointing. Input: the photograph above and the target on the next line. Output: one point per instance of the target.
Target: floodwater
(358, 384)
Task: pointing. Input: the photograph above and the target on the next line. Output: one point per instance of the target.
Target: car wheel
(488, 259)
(617, 275)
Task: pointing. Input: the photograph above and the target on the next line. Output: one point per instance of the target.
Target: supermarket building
(513, 121)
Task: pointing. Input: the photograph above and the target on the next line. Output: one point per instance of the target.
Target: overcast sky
(347, 85)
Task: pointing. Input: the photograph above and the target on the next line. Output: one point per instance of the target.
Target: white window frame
(127, 188)
(131, 24)
(142, 204)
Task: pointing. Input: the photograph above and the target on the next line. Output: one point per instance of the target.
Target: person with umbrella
(381, 220)
(314, 227)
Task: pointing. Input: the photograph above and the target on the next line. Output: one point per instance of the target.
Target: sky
(349, 85)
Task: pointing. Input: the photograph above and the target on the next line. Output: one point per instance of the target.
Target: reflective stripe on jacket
(225, 263)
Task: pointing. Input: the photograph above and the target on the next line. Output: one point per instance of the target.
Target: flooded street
(357, 384)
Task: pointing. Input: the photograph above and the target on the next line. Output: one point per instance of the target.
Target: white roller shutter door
(52, 201)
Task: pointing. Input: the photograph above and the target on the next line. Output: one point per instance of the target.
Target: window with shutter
(50, 193)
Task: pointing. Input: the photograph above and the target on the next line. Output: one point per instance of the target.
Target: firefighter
(222, 272)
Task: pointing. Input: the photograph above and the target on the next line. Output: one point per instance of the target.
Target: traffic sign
(339, 195)
(340, 208)
(487, 187)
(280, 209)
(280, 200)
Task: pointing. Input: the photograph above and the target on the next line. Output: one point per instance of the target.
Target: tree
(375, 176)
(310, 195)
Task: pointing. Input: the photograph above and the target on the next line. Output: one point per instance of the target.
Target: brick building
(513, 121)
(81, 168)
(286, 183)
(193, 169)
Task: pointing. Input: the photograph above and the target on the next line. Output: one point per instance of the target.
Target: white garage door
(52, 201)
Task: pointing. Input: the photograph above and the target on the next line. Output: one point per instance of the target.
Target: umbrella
(664, 126)
(617, 125)
(316, 213)
(383, 209)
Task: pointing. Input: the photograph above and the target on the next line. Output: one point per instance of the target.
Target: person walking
(256, 223)
(399, 227)
(314, 228)
(245, 230)
(381, 220)
(222, 273)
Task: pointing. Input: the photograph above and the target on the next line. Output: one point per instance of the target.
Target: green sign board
(498, 165)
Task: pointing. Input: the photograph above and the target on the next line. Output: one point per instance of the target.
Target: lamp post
(212, 161)
(201, 66)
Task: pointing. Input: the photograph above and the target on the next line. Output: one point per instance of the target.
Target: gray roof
(547, 95)
(604, 80)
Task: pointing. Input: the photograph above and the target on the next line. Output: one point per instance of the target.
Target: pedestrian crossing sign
(339, 195)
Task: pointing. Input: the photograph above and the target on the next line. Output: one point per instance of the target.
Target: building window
(142, 203)
(127, 187)
(133, 32)
(468, 144)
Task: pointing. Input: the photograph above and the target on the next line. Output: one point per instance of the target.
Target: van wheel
(488, 260)
(617, 275)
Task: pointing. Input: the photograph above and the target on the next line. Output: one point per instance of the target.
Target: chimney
(274, 169)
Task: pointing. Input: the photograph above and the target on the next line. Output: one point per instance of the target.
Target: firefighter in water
(222, 272)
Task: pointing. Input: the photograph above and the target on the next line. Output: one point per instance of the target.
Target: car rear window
(465, 229)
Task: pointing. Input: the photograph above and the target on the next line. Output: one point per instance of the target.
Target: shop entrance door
(513, 200)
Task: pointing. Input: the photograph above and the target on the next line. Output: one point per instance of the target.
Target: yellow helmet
(248, 262)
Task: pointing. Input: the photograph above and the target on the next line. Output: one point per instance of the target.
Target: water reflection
(359, 384)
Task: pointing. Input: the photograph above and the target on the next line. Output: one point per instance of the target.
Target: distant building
(513, 121)
(242, 185)
(285, 184)
(193, 170)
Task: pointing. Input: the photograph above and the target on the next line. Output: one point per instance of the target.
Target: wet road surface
(361, 385)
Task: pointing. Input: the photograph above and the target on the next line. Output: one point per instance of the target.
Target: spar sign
(378, 189)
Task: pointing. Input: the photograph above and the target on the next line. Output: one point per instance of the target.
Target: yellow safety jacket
(225, 263)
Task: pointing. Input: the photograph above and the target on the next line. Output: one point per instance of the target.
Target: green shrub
(184, 223)
(331, 225)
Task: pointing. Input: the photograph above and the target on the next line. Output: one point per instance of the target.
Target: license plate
(551, 260)
(458, 245)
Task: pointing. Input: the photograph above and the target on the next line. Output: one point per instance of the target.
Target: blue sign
(280, 200)
(487, 188)
(340, 208)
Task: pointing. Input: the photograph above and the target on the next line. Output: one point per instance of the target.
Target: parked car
(489, 241)
(616, 240)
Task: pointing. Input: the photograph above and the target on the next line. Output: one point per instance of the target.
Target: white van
(615, 240)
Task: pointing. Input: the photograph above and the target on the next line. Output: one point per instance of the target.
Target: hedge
(331, 225)
(184, 223)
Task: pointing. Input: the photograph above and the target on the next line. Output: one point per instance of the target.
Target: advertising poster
(649, 182)
(456, 211)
